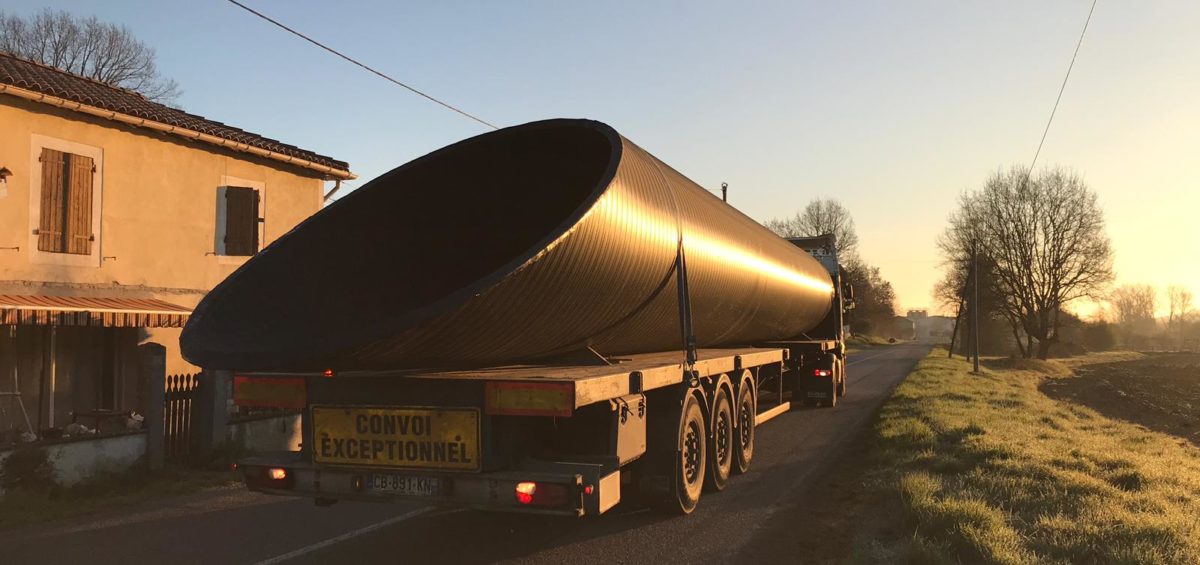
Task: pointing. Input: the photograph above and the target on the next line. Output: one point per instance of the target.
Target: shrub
(1099, 336)
(28, 469)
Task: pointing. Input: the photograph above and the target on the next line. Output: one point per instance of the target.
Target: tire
(743, 451)
(687, 461)
(832, 390)
(722, 441)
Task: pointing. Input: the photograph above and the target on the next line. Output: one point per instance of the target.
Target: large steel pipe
(515, 245)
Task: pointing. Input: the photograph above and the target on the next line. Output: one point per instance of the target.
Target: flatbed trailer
(571, 438)
(555, 238)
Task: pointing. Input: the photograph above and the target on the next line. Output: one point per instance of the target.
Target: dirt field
(1160, 391)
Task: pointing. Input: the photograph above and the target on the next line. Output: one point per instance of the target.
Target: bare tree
(1179, 308)
(821, 216)
(88, 47)
(1044, 240)
(996, 314)
(1134, 304)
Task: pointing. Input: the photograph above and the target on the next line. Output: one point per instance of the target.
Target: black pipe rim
(197, 349)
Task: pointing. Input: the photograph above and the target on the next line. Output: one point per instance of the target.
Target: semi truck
(542, 319)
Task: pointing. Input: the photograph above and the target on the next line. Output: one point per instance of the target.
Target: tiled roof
(43, 79)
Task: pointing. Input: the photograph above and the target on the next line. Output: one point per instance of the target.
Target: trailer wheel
(722, 441)
(690, 462)
(831, 390)
(746, 412)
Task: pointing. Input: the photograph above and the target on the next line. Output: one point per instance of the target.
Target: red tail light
(525, 492)
(541, 494)
(822, 372)
(268, 477)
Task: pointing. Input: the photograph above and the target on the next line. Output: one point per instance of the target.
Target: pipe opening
(452, 222)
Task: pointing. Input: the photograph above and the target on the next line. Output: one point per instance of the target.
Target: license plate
(417, 438)
(401, 484)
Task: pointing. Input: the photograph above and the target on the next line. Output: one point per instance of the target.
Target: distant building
(117, 215)
(930, 328)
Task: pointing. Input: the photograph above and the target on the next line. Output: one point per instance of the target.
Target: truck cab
(818, 361)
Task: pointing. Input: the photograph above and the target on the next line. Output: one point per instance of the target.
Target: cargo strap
(685, 307)
(681, 284)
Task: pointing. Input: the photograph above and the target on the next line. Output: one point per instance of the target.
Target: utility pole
(975, 305)
(724, 192)
(957, 316)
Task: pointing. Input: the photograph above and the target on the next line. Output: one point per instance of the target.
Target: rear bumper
(485, 491)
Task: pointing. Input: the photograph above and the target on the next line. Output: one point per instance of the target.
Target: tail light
(268, 477)
(541, 494)
(525, 492)
(822, 372)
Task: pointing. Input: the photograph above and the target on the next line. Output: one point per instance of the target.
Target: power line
(1061, 89)
(380, 74)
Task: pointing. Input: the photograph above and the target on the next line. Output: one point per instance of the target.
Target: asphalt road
(235, 526)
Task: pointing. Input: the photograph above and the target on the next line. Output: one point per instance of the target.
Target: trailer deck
(598, 382)
(486, 460)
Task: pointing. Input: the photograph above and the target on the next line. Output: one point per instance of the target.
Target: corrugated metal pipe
(524, 243)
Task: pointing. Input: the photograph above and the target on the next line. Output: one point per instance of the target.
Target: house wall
(157, 214)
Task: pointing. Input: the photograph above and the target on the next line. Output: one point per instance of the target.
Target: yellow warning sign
(419, 438)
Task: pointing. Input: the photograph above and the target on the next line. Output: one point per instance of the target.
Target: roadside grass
(988, 469)
(861, 342)
(22, 508)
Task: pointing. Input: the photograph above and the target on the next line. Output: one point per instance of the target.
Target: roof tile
(44, 79)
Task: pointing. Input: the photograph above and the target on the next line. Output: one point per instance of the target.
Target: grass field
(989, 469)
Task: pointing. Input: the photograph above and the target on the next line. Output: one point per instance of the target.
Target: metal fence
(177, 415)
(1177, 346)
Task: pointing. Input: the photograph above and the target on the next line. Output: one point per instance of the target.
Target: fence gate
(177, 415)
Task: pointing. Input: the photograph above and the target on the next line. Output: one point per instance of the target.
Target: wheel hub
(722, 438)
(691, 454)
(747, 423)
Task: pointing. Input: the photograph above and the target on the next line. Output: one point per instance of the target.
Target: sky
(893, 108)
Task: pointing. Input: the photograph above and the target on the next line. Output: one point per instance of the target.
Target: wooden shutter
(79, 206)
(65, 225)
(50, 226)
(241, 221)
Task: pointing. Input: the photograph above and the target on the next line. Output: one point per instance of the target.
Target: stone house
(117, 215)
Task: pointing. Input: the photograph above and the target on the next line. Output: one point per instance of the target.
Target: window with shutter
(241, 221)
(65, 225)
